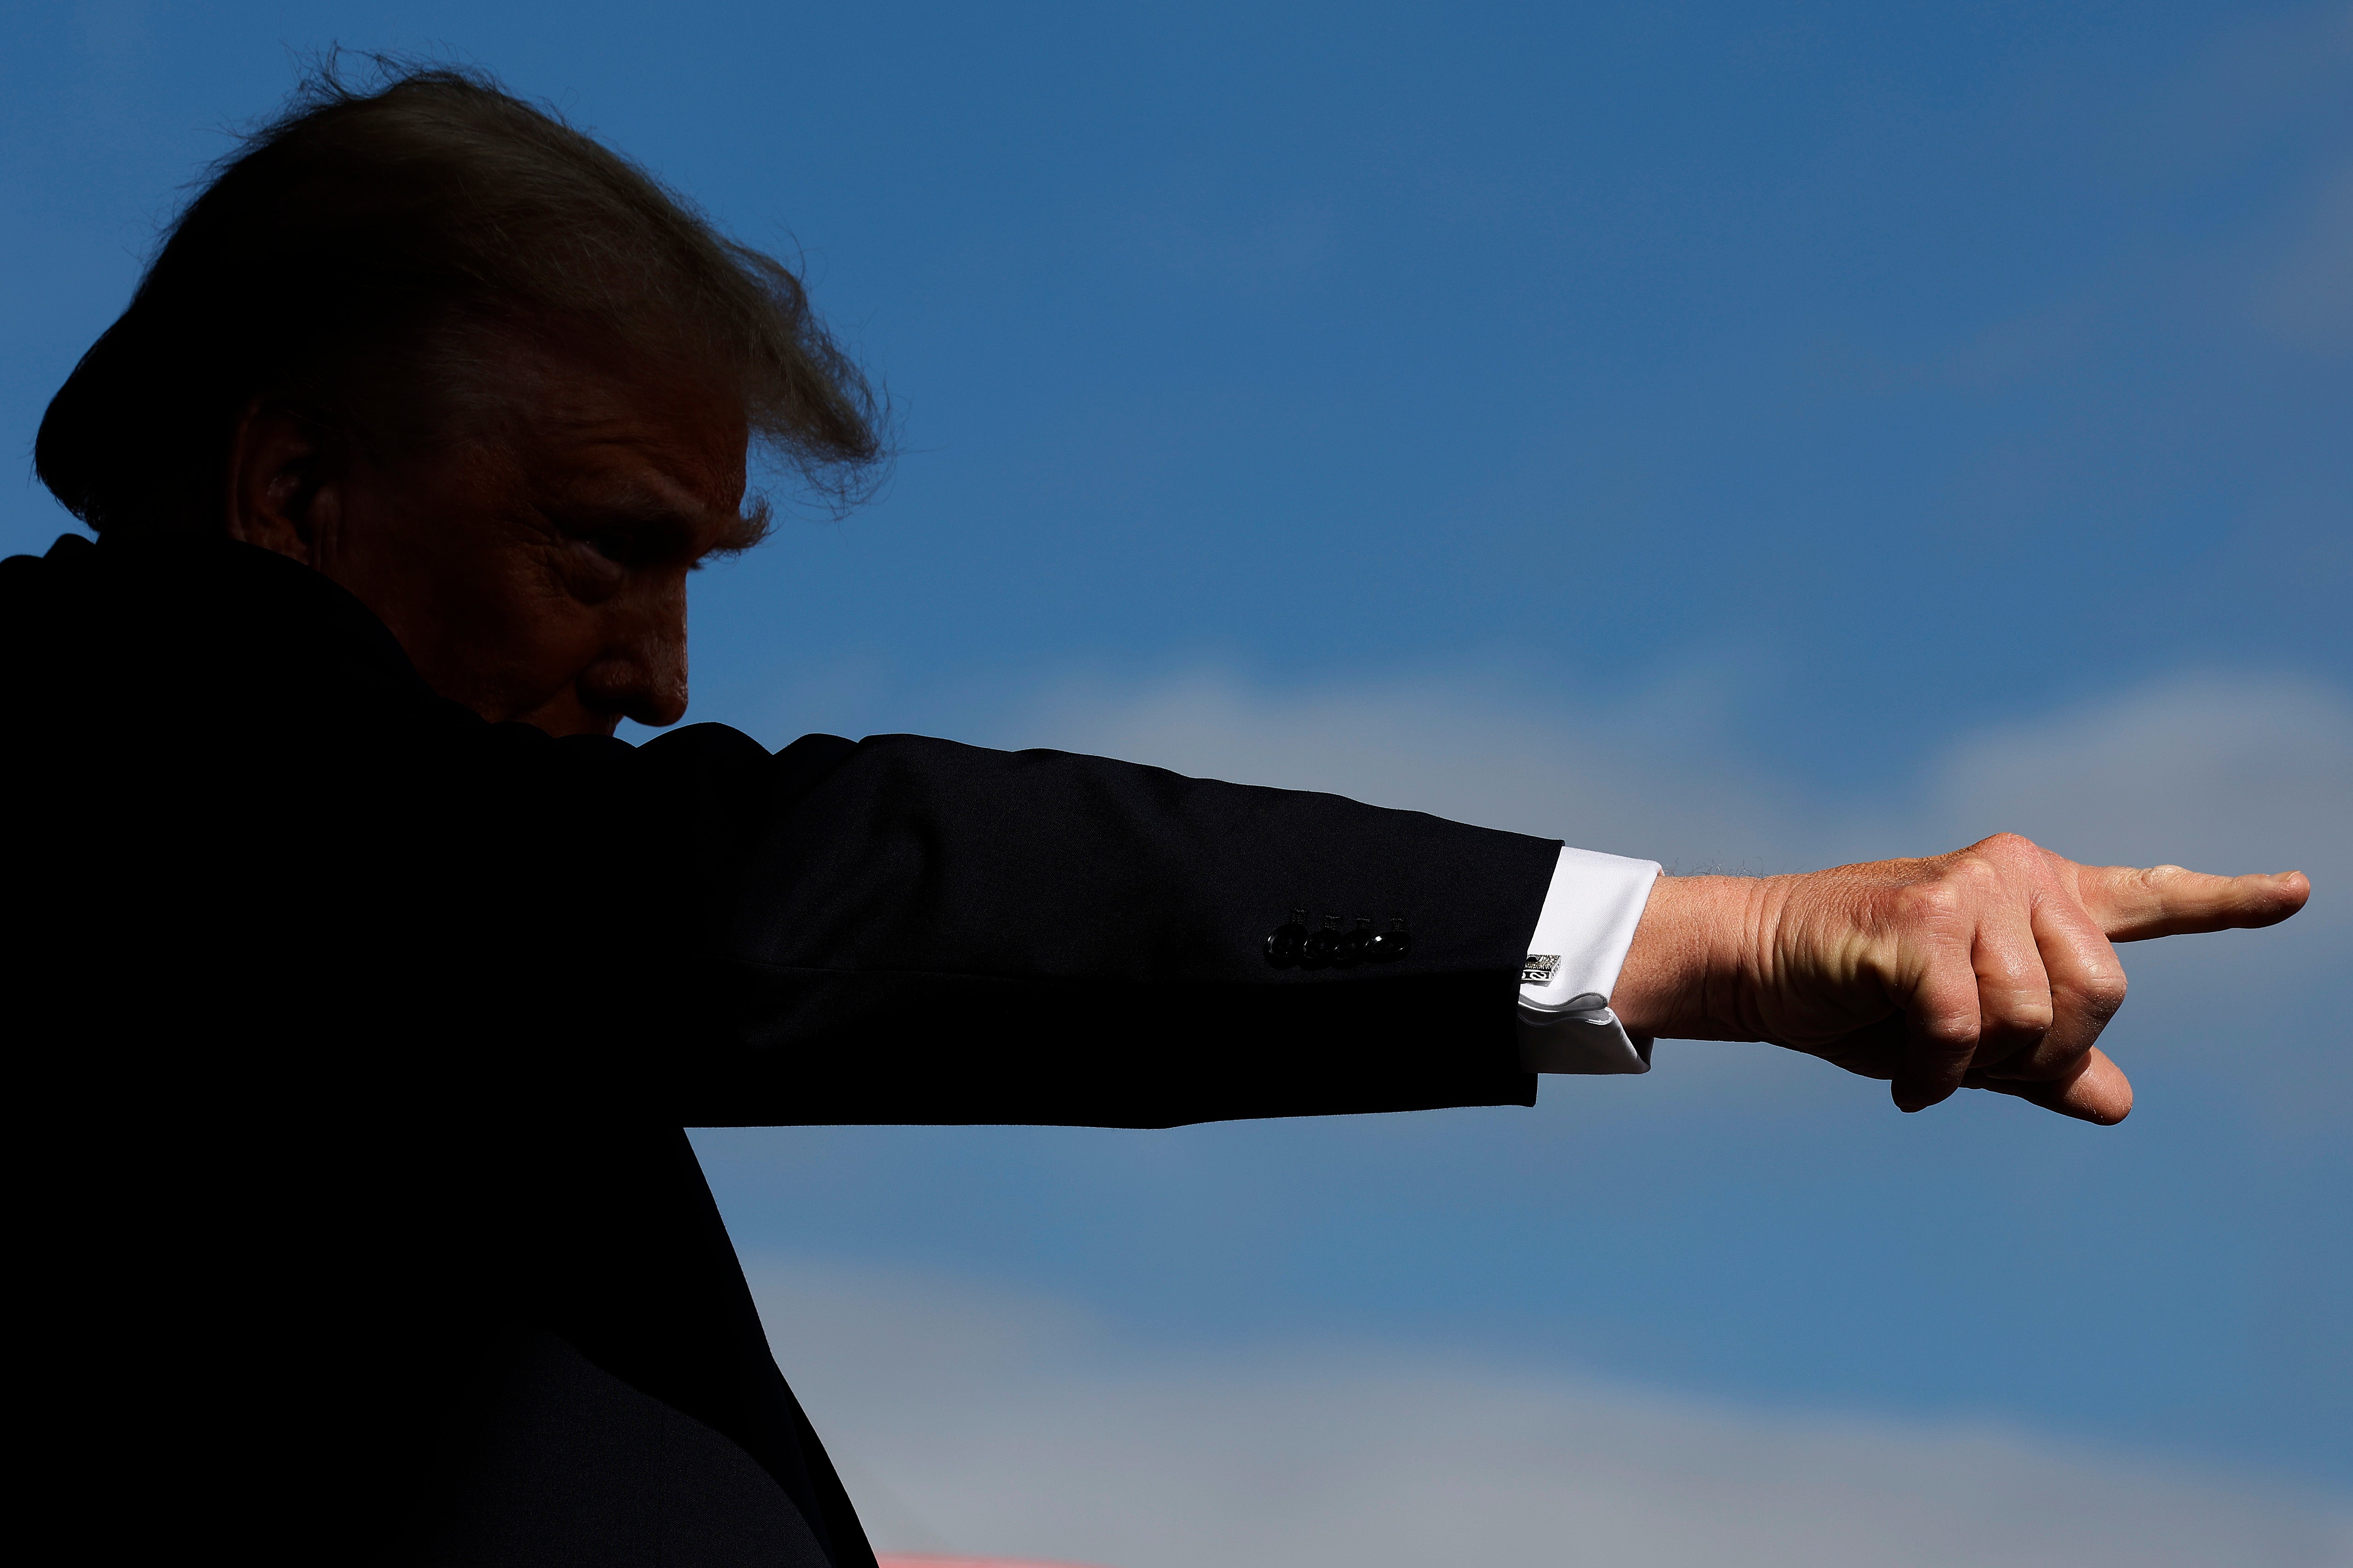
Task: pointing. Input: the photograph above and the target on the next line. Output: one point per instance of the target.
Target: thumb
(2096, 1091)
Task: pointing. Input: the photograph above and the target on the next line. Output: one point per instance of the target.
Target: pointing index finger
(2132, 903)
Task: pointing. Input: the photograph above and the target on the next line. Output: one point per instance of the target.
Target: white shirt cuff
(1588, 920)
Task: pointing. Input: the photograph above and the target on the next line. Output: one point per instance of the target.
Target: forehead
(582, 413)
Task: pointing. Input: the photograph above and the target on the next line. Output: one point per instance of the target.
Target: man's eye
(632, 548)
(612, 549)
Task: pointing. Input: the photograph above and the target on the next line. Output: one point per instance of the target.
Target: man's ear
(281, 494)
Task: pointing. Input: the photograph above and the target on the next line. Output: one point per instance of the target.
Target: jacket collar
(221, 590)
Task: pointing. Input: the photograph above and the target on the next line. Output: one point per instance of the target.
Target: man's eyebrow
(655, 520)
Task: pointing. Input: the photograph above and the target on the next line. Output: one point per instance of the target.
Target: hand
(1989, 968)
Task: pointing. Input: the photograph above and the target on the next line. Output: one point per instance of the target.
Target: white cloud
(2238, 772)
(2226, 773)
(2234, 773)
(2219, 770)
(974, 1421)
(1627, 778)
(969, 1420)
(2220, 773)
(2307, 301)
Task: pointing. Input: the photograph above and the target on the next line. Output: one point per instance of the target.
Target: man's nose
(641, 673)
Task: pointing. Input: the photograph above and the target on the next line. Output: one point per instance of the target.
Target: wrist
(1693, 957)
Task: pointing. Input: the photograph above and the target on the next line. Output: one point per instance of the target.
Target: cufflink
(1323, 949)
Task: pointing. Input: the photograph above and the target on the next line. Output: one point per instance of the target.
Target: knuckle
(2025, 1015)
(1975, 874)
(1950, 1033)
(2104, 991)
(1930, 903)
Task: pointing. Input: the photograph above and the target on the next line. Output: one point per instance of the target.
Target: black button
(1323, 948)
(1356, 945)
(1388, 946)
(1284, 942)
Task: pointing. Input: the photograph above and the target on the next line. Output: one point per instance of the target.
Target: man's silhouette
(361, 982)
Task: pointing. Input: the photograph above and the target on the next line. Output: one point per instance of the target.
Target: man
(364, 982)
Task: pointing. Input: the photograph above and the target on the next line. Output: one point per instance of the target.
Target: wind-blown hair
(337, 260)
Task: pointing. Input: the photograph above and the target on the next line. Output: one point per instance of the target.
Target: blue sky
(1749, 436)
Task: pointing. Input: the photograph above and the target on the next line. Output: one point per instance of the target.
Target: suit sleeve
(913, 931)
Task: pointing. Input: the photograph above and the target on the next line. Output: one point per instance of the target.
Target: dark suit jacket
(353, 1037)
